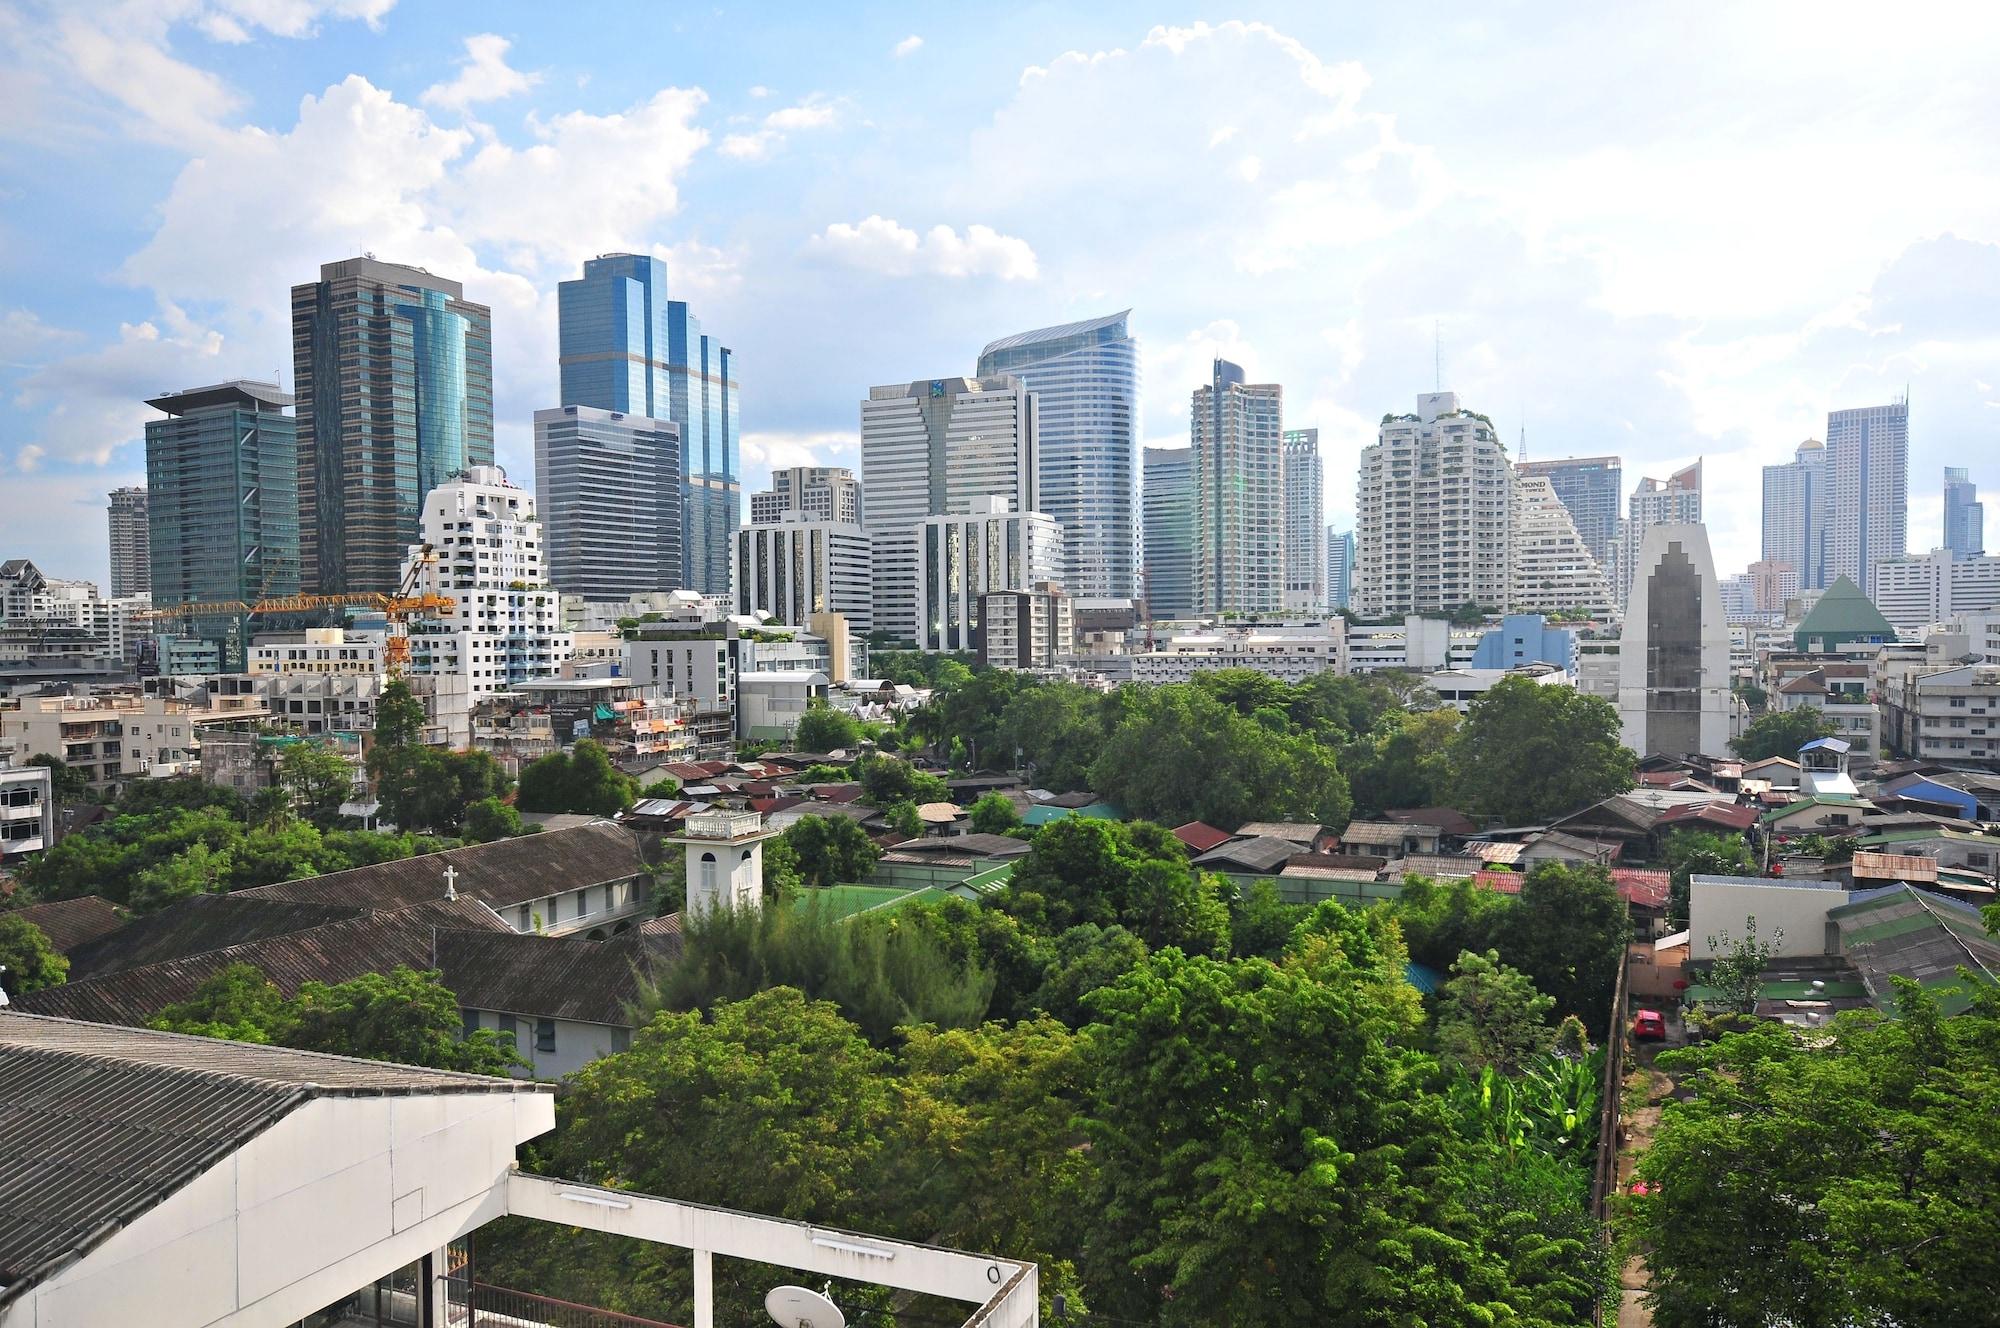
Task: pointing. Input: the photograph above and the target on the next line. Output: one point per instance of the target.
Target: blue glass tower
(626, 347)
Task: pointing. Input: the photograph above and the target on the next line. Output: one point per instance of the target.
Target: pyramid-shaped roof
(1844, 611)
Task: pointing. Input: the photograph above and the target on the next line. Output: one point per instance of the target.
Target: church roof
(1844, 611)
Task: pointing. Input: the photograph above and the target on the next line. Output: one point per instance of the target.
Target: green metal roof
(1936, 832)
(1844, 611)
(1817, 800)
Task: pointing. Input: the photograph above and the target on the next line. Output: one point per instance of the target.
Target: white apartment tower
(1236, 431)
(795, 569)
(1867, 489)
(1795, 514)
(131, 540)
(487, 556)
(965, 556)
(933, 448)
(1549, 567)
(818, 493)
(1305, 522)
(1432, 505)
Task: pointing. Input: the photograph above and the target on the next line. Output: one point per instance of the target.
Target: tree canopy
(824, 729)
(28, 962)
(582, 781)
(830, 850)
(1782, 733)
(1134, 875)
(1527, 752)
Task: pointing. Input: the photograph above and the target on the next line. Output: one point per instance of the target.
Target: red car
(1649, 1026)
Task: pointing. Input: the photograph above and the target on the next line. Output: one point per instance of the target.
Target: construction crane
(397, 608)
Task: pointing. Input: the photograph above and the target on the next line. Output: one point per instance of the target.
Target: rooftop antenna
(1437, 355)
(802, 1307)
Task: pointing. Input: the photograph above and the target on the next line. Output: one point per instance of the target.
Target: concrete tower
(1673, 679)
(725, 860)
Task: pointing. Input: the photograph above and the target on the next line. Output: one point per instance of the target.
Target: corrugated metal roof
(69, 923)
(544, 977)
(196, 925)
(502, 873)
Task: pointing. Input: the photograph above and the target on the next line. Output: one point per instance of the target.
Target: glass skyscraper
(394, 375)
(1169, 508)
(1086, 377)
(1964, 514)
(222, 474)
(626, 347)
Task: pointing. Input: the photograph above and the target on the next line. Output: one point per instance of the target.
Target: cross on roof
(450, 881)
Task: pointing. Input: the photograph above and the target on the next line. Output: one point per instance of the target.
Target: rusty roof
(503, 873)
(69, 923)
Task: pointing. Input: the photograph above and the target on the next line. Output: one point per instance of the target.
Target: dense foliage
(829, 850)
(27, 961)
(1782, 733)
(1527, 752)
(824, 729)
(581, 780)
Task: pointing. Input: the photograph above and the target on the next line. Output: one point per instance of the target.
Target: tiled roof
(1448, 819)
(69, 923)
(1376, 832)
(1440, 865)
(195, 925)
(593, 982)
(98, 1124)
(1256, 855)
(502, 873)
(1200, 837)
(1642, 887)
(1507, 883)
(1297, 831)
(1728, 815)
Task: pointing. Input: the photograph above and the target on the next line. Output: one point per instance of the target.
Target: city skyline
(162, 255)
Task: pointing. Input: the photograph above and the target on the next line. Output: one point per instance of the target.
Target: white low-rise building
(316, 650)
(1950, 714)
(1417, 644)
(1920, 589)
(1459, 688)
(1289, 653)
(27, 809)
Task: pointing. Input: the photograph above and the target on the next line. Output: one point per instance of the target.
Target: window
(507, 1033)
(471, 1018)
(545, 1035)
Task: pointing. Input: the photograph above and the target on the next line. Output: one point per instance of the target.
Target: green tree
(1405, 762)
(1782, 733)
(831, 850)
(490, 819)
(399, 716)
(1527, 752)
(318, 779)
(238, 1003)
(404, 1016)
(1080, 961)
(582, 781)
(993, 814)
(1440, 920)
(1737, 972)
(886, 780)
(69, 784)
(1568, 932)
(1490, 1014)
(28, 962)
(904, 819)
(1133, 875)
(1057, 729)
(1691, 853)
(824, 729)
(1845, 1177)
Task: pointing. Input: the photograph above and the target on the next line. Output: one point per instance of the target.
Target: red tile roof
(1507, 883)
(1200, 837)
(1727, 815)
(1643, 887)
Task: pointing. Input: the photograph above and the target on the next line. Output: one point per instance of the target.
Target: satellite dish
(798, 1307)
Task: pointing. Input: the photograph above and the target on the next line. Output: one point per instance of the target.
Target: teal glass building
(626, 347)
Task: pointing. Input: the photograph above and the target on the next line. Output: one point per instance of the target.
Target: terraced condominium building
(933, 448)
(1169, 532)
(626, 347)
(222, 472)
(1085, 376)
(1593, 490)
(608, 486)
(1432, 508)
(1237, 434)
(393, 370)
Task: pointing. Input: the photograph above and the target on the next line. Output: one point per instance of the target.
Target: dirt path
(1646, 1088)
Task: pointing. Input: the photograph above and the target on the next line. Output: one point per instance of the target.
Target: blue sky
(1664, 232)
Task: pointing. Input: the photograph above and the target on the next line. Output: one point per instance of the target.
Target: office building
(1236, 432)
(1339, 569)
(1593, 489)
(610, 487)
(486, 555)
(131, 569)
(1867, 489)
(1305, 522)
(1795, 514)
(1964, 515)
(1550, 569)
(1289, 653)
(393, 370)
(1526, 638)
(1918, 590)
(1432, 511)
(1026, 629)
(1772, 582)
(1085, 377)
(817, 493)
(931, 448)
(1675, 500)
(1168, 495)
(964, 555)
(626, 347)
(794, 570)
(222, 475)
(1673, 684)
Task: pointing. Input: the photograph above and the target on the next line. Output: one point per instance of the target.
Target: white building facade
(1673, 685)
(1795, 514)
(1867, 489)
(796, 568)
(1432, 509)
(1305, 523)
(1236, 432)
(815, 493)
(1920, 589)
(963, 557)
(1549, 568)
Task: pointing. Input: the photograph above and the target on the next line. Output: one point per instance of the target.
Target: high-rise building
(222, 477)
(131, 570)
(818, 493)
(1550, 570)
(486, 555)
(1673, 660)
(1168, 584)
(1085, 376)
(793, 570)
(1432, 506)
(1305, 522)
(1673, 501)
(1236, 431)
(1339, 568)
(1867, 489)
(1795, 514)
(1918, 590)
(626, 347)
(933, 448)
(609, 485)
(965, 555)
(1964, 515)
(393, 369)
(1773, 581)
(1593, 489)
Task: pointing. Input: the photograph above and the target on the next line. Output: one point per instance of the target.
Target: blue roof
(1423, 977)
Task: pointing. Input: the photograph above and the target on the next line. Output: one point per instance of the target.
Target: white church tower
(725, 860)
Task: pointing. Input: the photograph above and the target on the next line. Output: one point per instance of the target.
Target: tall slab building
(609, 487)
(1675, 500)
(930, 448)
(626, 347)
(1339, 568)
(1673, 660)
(1167, 493)
(1432, 505)
(222, 471)
(1305, 522)
(393, 371)
(1867, 489)
(1795, 514)
(1593, 489)
(1236, 430)
(131, 573)
(1964, 515)
(1085, 376)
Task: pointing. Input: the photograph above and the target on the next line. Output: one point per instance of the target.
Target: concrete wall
(1800, 910)
(577, 1044)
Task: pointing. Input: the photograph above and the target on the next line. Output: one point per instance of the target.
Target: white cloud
(910, 45)
(753, 146)
(25, 338)
(483, 75)
(879, 245)
(765, 451)
(93, 403)
(29, 458)
(815, 112)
